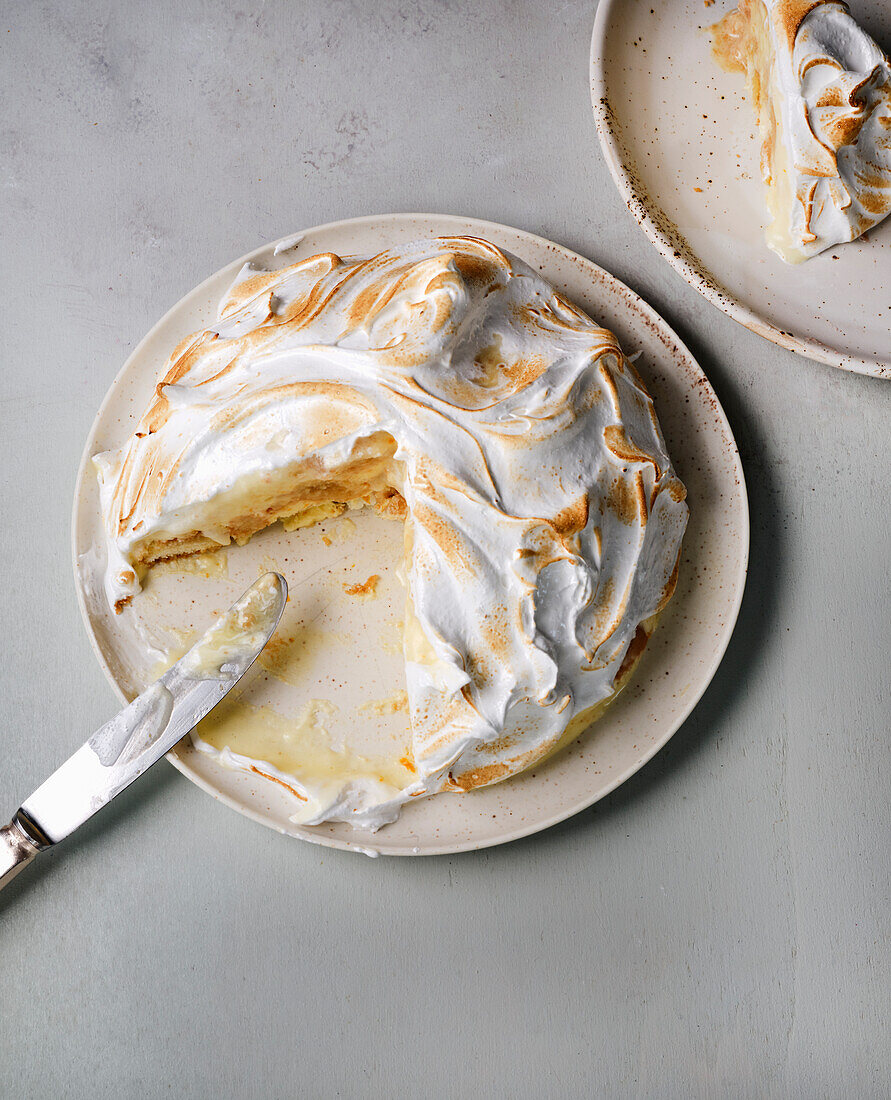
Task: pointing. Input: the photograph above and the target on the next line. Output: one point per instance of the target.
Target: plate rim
(372, 846)
(672, 245)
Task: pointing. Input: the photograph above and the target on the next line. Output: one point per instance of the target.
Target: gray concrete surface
(716, 927)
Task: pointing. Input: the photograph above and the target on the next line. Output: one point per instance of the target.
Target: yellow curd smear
(392, 704)
(298, 745)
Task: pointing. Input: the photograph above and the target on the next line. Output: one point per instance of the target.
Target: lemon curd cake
(446, 384)
(821, 89)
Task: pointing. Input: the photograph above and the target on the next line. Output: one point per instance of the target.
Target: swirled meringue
(445, 382)
(822, 90)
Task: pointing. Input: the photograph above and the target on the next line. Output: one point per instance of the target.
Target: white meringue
(543, 520)
(822, 91)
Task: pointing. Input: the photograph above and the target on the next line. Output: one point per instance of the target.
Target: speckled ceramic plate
(680, 140)
(347, 652)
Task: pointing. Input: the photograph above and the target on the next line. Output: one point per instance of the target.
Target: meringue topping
(447, 384)
(821, 88)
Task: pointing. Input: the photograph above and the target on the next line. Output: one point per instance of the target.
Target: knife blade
(147, 728)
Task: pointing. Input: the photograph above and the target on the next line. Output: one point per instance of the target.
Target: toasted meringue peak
(446, 383)
(822, 91)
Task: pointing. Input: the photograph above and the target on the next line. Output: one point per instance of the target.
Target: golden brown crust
(485, 775)
(788, 15)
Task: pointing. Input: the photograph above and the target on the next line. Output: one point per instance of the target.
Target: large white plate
(679, 138)
(347, 656)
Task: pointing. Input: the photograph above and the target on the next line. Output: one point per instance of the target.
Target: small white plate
(350, 649)
(680, 140)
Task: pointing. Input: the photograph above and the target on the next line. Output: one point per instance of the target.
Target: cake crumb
(366, 590)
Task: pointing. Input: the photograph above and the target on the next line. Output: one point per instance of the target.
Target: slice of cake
(821, 89)
(447, 385)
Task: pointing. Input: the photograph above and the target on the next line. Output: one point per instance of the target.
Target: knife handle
(16, 852)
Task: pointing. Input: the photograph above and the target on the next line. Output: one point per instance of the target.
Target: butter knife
(122, 749)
